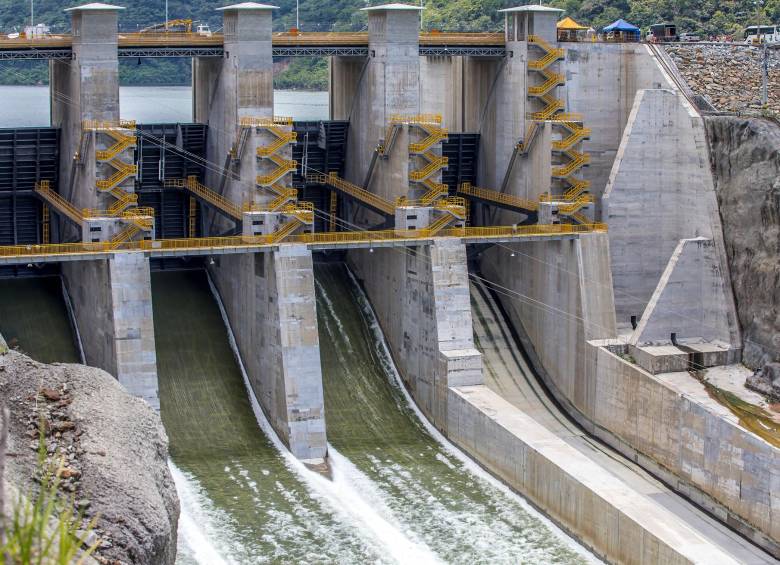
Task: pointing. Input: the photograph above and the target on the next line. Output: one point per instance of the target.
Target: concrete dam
(485, 312)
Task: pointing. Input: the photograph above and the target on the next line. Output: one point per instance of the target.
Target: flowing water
(428, 487)
(396, 495)
(34, 318)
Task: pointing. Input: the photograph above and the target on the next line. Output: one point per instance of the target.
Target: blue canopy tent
(621, 30)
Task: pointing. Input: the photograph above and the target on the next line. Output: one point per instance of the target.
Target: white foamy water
(350, 494)
(204, 535)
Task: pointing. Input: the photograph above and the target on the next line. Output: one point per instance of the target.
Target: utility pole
(166, 15)
(765, 76)
(32, 13)
(298, 15)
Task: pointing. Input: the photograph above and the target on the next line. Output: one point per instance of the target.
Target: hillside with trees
(705, 17)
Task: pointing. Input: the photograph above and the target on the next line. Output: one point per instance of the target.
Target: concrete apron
(421, 299)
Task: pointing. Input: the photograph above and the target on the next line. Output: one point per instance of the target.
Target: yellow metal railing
(123, 172)
(578, 204)
(417, 119)
(435, 163)
(576, 135)
(46, 225)
(249, 121)
(283, 138)
(125, 235)
(537, 40)
(192, 184)
(353, 190)
(435, 135)
(107, 125)
(549, 111)
(549, 58)
(43, 188)
(334, 208)
(439, 224)
(580, 218)
(578, 160)
(285, 166)
(499, 197)
(552, 80)
(336, 239)
(433, 185)
(193, 217)
(285, 230)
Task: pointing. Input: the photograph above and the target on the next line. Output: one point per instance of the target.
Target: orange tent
(569, 24)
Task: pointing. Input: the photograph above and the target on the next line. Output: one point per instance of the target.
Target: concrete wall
(85, 88)
(112, 304)
(716, 463)
(422, 302)
(617, 523)
(689, 299)
(559, 298)
(660, 190)
(602, 80)
(421, 298)
(270, 302)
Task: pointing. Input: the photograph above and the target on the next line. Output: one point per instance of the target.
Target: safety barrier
(507, 200)
(192, 184)
(353, 190)
(43, 189)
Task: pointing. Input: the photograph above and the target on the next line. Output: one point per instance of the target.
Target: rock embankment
(113, 448)
(728, 75)
(745, 154)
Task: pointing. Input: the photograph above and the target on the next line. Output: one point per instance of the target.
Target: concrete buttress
(270, 302)
(112, 304)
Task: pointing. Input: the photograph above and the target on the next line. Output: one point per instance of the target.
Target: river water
(25, 106)
(398, 494)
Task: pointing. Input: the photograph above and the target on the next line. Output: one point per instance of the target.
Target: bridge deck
(54, 253)
(284, 44)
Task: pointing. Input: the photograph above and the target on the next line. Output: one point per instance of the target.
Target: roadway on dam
(397, 493)
(508, 372)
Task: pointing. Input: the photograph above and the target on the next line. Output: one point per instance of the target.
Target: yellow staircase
(270, 152)
(500, 199)
(286, 229)
(370, 199)
(123, 172)
(62, 206)
(209, 196)
(438, 225)
(122, 141)
(434, 165)
(123, 236)
(575, 132)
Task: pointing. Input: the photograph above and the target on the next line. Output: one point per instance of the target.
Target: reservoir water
(25, 106)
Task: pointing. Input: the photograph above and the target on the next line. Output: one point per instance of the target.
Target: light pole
(166, 15)
(297, 15)
(32, 13)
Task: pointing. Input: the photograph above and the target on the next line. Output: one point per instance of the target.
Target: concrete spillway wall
(421, 299)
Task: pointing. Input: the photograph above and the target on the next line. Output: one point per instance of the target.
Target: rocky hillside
(115, 454)
(728, 75)
(745, 155)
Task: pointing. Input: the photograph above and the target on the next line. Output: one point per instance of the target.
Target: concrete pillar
(391, 85)
(421, 298)
(112, 304)
(270, 302)
(238, 85)
(85, 88)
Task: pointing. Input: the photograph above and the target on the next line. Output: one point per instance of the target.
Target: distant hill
(705, 17)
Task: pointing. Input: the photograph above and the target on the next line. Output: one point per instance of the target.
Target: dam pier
(500, 254)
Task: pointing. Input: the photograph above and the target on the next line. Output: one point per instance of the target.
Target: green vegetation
(43, 528)
(704, 17)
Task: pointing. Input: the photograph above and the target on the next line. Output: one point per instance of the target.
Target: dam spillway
(34, 317)
(249, 500)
